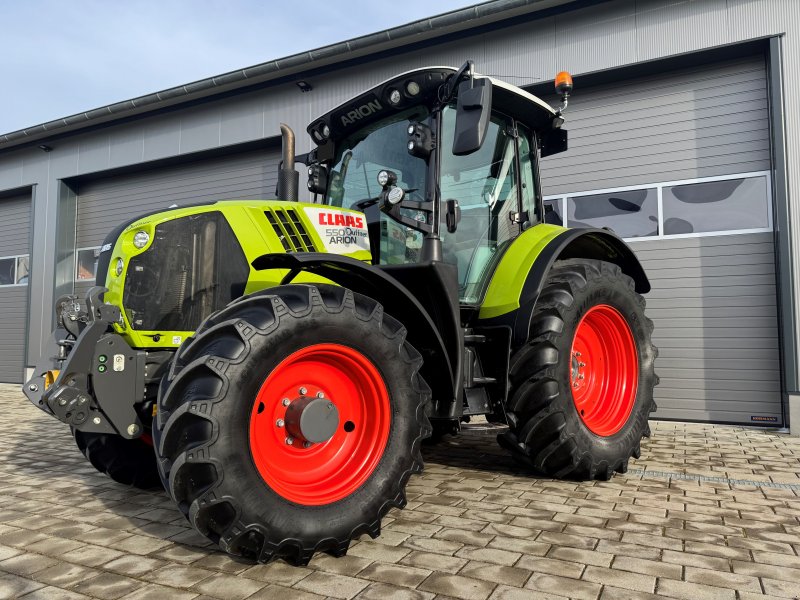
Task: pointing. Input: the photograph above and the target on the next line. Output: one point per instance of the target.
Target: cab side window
(485, 184)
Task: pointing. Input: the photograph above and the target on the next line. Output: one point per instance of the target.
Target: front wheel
(129, 462)
(582, 386)
(291, 422)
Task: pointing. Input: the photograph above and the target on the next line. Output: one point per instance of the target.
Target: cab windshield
(353, 178)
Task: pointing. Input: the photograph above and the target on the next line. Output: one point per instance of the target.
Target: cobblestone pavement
(707, 512)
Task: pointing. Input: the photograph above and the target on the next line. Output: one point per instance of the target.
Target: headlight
(119, 266)
(140, 239)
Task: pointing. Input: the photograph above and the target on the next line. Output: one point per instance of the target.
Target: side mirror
(452, 215)
(472, 115)
(317, 179)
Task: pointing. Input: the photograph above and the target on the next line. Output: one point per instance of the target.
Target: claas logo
(341, 219)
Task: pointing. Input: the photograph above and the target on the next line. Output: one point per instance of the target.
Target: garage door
(104, 203)
(14, 260)
(678, 163)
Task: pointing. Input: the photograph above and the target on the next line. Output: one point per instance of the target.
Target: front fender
(441, 368)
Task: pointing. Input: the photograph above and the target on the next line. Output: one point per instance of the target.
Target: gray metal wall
(14, 240)
(713, 304)
(105, 202)
(714, 298)
(699, 122)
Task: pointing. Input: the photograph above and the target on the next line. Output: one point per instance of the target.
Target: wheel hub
(313, 420)
(319, 424)
(604, 370)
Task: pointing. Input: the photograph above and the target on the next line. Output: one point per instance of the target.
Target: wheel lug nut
(320, 395)
(290, 440)
(302, 391)
(306, 444)
(285, 401)
(582, 364)
(581, 376)
(279, 422)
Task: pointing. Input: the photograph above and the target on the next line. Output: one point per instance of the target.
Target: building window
(86, 263)
(726, 205)
(14, 270)
(23, 269)
(711, 206)
(552, 212)
(632, 213)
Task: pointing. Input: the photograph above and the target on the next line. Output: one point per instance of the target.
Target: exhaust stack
(288, 178)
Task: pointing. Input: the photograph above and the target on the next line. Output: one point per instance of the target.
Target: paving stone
(231, 587)
(64, 575)
(395, 574)
(279, 573)
(25, 564)
(159, 592)
(381, 552)
(783, 589)
(456, 586)
(179, 576)
(692, 591)
(469, 538)
(383, 591)
(735, 580)
(278, 592)
(53, 593)
(133, 566)
(549, 565)
(496, 573)
(434, 562)
(139, 544)
(490, 555)
(108, 585)
(504, 592)
(648, 567)
(91, 556)
(574, 588)
(589, 557)
(14, 586)
(432, 545)
(337, 586)
(614, 593)
(621, 579)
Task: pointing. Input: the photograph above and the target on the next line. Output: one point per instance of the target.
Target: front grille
(194, 266)
(290, 230)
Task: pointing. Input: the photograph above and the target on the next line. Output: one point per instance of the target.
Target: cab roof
(376, 103)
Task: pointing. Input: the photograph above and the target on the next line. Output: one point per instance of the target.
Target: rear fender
(511, 297)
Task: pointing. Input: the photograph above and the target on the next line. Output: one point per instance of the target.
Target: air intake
(290, 230)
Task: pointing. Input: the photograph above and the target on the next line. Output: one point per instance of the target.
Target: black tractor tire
(204, 436)
(547, 433)
(129, 462)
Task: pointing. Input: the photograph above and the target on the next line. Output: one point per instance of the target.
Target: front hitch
(91, 381)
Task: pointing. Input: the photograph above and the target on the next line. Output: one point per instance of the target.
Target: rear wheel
(291, 422)
(129, 462)
(582, 386)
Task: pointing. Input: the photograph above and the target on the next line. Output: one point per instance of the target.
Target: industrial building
(681, 141)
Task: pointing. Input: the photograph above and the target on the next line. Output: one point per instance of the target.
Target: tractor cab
(443, 162)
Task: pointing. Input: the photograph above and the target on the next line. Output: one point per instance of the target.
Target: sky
(58, 58)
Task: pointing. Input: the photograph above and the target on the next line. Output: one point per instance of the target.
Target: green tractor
(276, 365)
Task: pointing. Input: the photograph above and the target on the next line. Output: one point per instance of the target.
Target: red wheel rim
(321, 473)
(604, 372)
